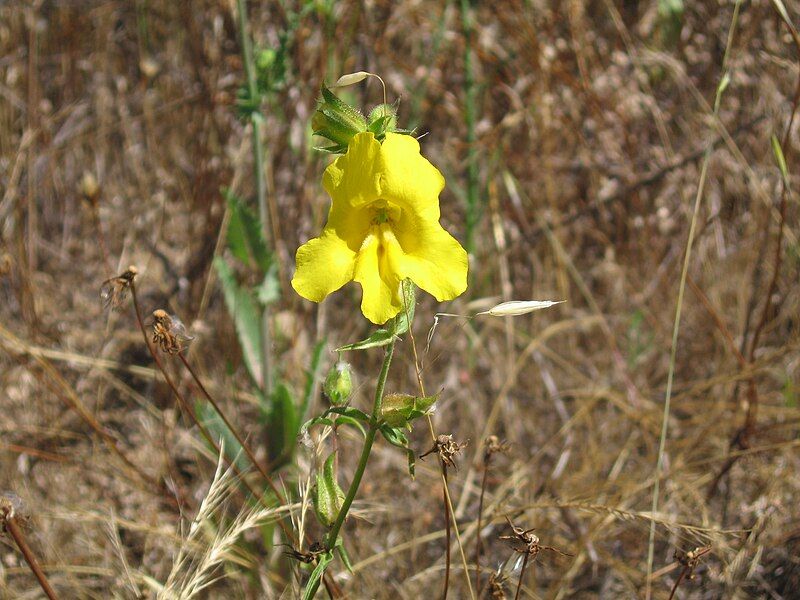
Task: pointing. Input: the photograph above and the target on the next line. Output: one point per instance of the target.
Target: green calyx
(338, 383)
(328, 497)
(337, 121)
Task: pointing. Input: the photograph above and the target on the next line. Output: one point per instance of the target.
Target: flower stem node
(383, 227)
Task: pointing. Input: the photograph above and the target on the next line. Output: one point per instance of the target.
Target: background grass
(589, 119)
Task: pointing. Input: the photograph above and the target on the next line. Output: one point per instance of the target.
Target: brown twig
(447, 537)
(522, 575)
(689, 561)
(478, 541)
(493, 445)
(10, 525)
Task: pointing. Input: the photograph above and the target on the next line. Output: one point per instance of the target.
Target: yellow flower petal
(380, 300)
(383, 226)
(432, 258)
(324, 264)
(353, 179)
(407, 178)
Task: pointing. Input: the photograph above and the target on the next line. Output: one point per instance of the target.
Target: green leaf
(400, 324)
(245, 235)
(347, 416)
(270, 289)
(311, 376)
(328, 496)
(246, 317)
(380, 337)
(398, 410)
(217, 428)
(343, 554)
(316, 575)
(282, 426)
(396, 437)
(779, 157)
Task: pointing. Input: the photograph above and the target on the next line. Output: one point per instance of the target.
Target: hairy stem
(362, 461)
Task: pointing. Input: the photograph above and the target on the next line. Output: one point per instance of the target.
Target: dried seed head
(493, 446)
(525, 542)
(169, 332)
(691, 559)
(11, 507)
(114, 291)
(447, 449)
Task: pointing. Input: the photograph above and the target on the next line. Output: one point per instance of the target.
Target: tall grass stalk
(470, 91)
(256, 122)
(676, 326)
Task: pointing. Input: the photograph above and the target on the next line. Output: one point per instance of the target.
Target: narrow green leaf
(354, 423)
(282, 426)
(270, 290)
(311, 376)
(237, 237)
(779, 157)
(316, 574)
(401, 323)
(379, 338)
(246, 236)
(217, 428)
(343, 554)
(245, 315)
(396, 437)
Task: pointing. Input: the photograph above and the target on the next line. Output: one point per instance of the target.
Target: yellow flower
(383, 226)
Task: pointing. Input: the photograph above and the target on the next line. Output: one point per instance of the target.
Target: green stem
(362, 462)
(261, 190)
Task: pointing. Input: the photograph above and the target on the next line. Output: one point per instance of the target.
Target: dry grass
(591, 122)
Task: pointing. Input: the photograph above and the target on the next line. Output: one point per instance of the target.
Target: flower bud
(339, 383)
(381, 119)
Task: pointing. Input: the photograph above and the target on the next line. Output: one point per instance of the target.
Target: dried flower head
(169, 332)
(691, 559)
(11, 507)
(525, 541)
(446, 448)
(492, 446)
(114, 291)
